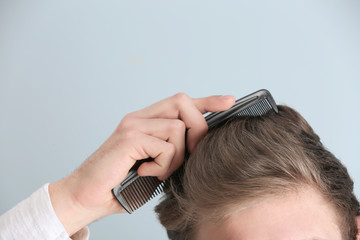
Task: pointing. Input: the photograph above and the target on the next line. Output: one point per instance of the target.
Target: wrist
(72, 214)
(65, 208)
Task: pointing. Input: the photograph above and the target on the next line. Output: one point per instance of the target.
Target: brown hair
(250, 157)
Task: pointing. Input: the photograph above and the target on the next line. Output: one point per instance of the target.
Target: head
(265, 177)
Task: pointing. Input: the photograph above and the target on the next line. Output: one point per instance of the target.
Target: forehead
(301, 215)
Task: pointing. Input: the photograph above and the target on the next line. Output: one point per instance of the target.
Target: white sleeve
(35, 218)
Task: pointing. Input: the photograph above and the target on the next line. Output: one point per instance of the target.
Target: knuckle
(128, 121)
(129, 134)
(124, 122)
(177, 126)
(162, 172)
(202, 126)
(205, 127)
(127, 118)
(162, 178)
(171, 149)
(180, 98)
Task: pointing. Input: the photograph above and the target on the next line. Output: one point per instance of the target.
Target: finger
(214, 103)
(168, 108)
(162, 152)
(194, 120)
(160, 128)
(180, 106)
(189, 110)
(203, 105)
(170, 130)
(178, 140)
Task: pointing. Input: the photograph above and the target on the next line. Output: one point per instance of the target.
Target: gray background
(70, 70)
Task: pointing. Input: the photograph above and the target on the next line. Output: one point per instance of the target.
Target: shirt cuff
(35, 218)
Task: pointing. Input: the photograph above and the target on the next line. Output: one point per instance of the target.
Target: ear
(358, 227)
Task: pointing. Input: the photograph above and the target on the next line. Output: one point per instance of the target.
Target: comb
(255, 104)
(134, 191)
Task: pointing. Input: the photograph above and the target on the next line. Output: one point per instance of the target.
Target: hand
(157, 131)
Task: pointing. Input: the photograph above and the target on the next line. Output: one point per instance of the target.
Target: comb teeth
(258, 109)
(140, 191)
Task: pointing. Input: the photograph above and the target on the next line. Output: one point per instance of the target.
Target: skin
(157, 131)
(301, 215)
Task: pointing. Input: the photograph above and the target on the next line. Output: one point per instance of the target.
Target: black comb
(255, 104)
(134, 191)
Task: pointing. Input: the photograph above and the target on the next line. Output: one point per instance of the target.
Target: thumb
(214, 103)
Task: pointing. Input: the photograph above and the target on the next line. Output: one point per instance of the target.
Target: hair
(249, 157)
